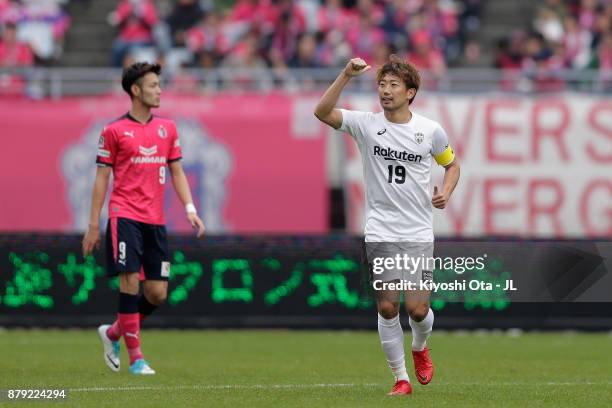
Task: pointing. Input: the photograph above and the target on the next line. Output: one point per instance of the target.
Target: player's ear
(411, 93)
(135, 89)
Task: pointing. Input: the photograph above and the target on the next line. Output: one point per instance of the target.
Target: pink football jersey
(138, 154)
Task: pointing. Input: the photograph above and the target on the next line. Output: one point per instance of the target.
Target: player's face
(149, 90)
(392, 92)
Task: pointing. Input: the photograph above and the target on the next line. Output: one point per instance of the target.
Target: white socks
(392, 340)
(420, 330)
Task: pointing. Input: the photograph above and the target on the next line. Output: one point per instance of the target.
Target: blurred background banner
(263, 172)
(531, 166)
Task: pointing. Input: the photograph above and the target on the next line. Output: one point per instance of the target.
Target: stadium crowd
(565, 34)
(288, 33)
(261, 34)
(32, 31)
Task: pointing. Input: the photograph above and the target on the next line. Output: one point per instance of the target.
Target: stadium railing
(43, 82)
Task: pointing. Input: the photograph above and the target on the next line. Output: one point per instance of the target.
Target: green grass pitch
(279, 368)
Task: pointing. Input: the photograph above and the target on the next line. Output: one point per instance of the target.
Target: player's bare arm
(181, 186)
(91, 240)
(325, 110)
(451, 177)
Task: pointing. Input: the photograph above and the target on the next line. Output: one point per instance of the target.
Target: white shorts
(403, 261)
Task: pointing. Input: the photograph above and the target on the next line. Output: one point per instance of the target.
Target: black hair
(136, 71)
(404, 70)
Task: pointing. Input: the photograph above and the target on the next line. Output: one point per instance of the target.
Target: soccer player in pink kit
(136, 148)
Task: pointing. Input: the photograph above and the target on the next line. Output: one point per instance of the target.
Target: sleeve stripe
(175, 159)
(446, 157)
(104, 153)
(103, 163)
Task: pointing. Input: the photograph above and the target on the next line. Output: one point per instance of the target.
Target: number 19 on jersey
(399, 172)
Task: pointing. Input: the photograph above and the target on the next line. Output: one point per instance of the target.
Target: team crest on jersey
(101, 141)
(162, 132)
(418, 137)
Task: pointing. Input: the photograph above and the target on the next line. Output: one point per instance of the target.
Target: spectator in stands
(207, 41)
(365, 37)
(510, 52)
(549, 24)
(372, 9)
(509, 59)
(42, 24)
(255, 15)
(246, 54)
(282, 43)
(135, 20)
(441, 20)
(382, 54)
(397, 16)
(289, 25)
(543, 64)
(333, 16)
(424, 56)
(306, 55)
(14, 53)
(469, 17)
(469, 24)
(577, 43)
(249, 68)
(602, 25)
(184, 16)
(171, 34)
(334, 50)
(587, 14)
(602, 61)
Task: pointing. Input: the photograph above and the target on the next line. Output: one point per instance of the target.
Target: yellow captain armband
(446, 157)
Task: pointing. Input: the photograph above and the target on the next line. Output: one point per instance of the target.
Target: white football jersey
(397, 168)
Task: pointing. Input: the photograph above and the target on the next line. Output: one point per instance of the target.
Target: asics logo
(381, 132)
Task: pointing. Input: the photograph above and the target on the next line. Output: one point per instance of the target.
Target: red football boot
(401, 387)
(423, 366)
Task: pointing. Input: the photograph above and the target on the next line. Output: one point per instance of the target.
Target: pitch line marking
(347, 385)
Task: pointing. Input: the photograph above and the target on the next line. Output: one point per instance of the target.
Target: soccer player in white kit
(397, 147)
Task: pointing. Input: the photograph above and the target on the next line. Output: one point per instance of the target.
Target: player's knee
(157, 297)
(419, 312)
(388, 310)
(129, 283)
